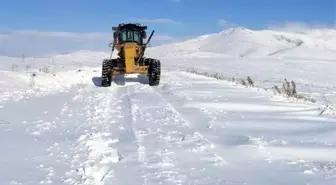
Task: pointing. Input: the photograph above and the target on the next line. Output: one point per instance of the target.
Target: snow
(58, 126)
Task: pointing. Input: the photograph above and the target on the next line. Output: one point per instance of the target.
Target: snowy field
(59, 127)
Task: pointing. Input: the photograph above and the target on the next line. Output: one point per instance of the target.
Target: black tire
(106, 73)
(154, 72)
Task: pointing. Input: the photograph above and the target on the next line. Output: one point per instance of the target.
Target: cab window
(123, 36)
(130, 36)
(137, 37)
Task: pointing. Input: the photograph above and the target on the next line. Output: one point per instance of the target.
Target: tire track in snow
(214, 121)
(107, 147)
(95, 153)
(168, 147)
(129, 169)
(209, 146)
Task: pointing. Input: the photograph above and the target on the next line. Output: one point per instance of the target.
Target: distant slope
(242, 42)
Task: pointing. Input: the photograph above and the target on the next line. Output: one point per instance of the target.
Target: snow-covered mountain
(242, 42)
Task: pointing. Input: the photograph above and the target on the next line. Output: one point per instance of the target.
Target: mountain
(243, 42)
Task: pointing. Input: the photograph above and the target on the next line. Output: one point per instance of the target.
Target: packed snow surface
(58, 126)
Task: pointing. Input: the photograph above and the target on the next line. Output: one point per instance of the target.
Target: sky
(37, 27)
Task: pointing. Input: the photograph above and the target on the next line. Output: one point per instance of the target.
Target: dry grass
(330, 107)
(32, 80)
(288, 89)
(14, 67)
(246, 82)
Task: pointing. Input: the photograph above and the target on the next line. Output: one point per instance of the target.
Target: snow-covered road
(190, 130)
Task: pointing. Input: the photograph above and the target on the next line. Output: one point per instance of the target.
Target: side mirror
(110, 45)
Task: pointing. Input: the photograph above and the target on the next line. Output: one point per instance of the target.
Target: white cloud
(156, 21)
(94, 35)
(33, 42)
(163, 38)
(37, 43)
(298, 26)
(224, 24)
(3, 37)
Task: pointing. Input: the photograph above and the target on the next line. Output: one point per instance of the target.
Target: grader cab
(129, 41)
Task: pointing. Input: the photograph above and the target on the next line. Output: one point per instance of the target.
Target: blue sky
(172, 19)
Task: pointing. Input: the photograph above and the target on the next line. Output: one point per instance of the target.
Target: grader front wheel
(154, 72)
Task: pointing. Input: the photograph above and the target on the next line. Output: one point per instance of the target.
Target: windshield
(131, 36)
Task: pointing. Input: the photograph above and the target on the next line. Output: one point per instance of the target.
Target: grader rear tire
(106, 73)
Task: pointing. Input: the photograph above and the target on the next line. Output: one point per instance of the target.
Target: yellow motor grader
(129, 40)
